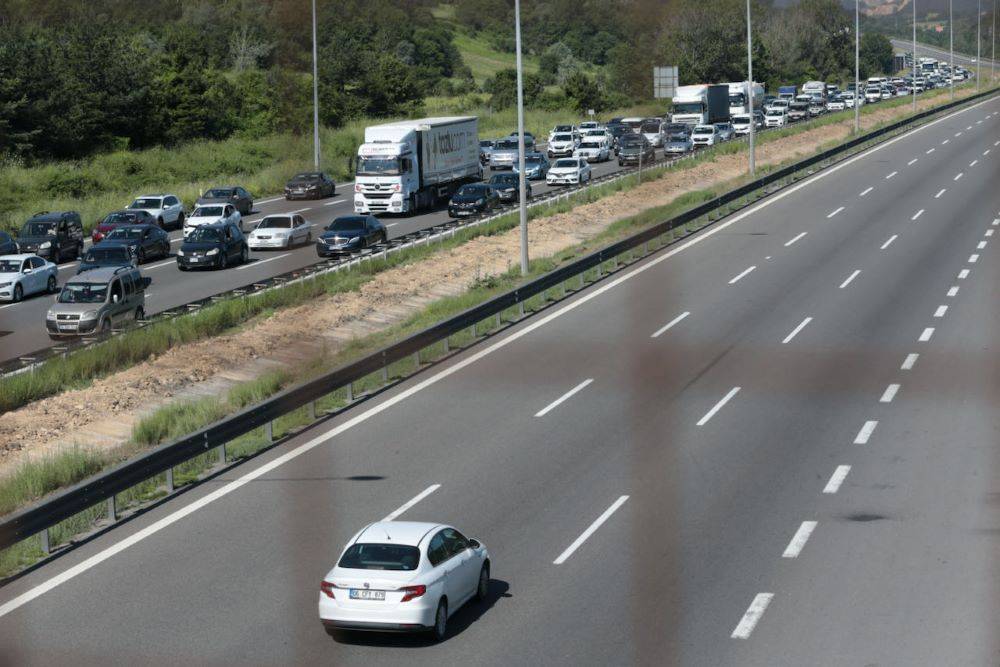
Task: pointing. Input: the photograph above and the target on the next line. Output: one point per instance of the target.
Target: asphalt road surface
(925, 50)
(793, 416)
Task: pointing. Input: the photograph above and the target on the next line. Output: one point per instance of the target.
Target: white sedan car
(403, 576)
(167, 210)
(593, 150)
(280, 231)
(209, 214)
(21, 275)
(705, 135)
(569, 171)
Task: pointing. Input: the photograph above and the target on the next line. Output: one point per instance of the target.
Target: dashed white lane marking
(941, 310)
(413, 501)
(298, 210)
(891, 175)
(865, 433)
(973, 163)
(981, 245)
(753, 615)
(953, 291)
(337, 201)
(945, 141)
(958, 176)
(836, 479)
(996, 143)
(963, 274)
(850, 278)
(796, 330)
(889, 242)
(973, 258)
(958, 134)
(261, 261)
(156, 266)
(737, 278)
(929, 151)
(910, 163)
(969, 128)
(669, 325)
(590, 531)
(926, 334)
(917, 214)
(987, 151)
(909, 362)
(996, 222)
(718, 406)
(562, 399)
(788, 243)
(889, 393)
(989, 232)
(830, 215)
(938, 195)
(798, 541)
(866, 191)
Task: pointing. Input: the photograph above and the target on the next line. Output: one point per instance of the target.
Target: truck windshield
(737, 100)
(688, 107)
(378, 166)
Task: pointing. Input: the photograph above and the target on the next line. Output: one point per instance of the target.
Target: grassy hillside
(482, 59)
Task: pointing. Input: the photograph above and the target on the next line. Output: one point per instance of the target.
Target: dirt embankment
(101, 414)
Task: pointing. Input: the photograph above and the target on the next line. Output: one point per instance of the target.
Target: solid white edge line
(590, 531)
(753, 614)
(718, 406)
(669, 325)
(788, 243)
(910, 361)
(866, 432)
(798, 541)
(926, 334)
(737, 278)
(796, 330)
(413, 501)
(305, 447)
(850, 278)
(941, 310)
(889, 242)
(262, 261)
(835, 212)
(889, 393)
(562, 399)
(336, 201)
(836, 479)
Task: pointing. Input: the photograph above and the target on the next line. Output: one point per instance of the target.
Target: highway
(929, 51)
(790, 431)
(22, 325)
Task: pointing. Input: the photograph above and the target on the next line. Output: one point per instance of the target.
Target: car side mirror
(114, 298)
(27, 271)
(474, 543)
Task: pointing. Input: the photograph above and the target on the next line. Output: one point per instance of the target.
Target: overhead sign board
(664, 82)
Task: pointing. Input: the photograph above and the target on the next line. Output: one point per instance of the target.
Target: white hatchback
(403, 576)
(210, 214)
(569, 171)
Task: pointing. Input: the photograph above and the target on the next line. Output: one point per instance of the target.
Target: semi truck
(814, 88)
(738, 98)
(701, 104)
(408, 166)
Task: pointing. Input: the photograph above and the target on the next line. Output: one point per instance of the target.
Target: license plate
(67, 327)
(195, 259)
(365, 594)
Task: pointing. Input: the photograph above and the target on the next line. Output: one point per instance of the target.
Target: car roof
(101, 275)
(154, 196)
(20, 257)
(398, 532)
(53, 216)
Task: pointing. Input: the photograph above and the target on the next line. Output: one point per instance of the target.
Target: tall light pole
(914, 86)
(522, 195)
(979, 41)
(993, 37)
(951, 48)
(315, 95)
(753, 132)
(857, 66)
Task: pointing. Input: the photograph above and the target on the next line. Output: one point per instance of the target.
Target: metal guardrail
(103, 487)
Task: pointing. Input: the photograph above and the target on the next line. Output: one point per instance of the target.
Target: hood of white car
(191, 222)
(10, 277)
(271, 231)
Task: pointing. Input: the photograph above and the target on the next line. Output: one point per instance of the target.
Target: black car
(636, 148)
(507, 185)
(100, 256)
(144, 241)
(349, 233)
(54, 236)
(618, 131)
(473, 199)
(8, 246)
(217, 245)
(234, 195)
(310, 185)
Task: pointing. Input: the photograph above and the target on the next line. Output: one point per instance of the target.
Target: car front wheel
(244, 255)
(441, 621)
(483, 588)
(52, 286)
(18, 293)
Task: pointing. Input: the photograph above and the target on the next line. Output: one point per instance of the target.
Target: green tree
(584, 93)
(875, 54)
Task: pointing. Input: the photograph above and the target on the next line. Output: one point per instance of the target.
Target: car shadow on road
(470, 613)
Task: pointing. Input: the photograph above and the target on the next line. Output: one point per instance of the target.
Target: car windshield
(533, 159)
(563, 128)
(146, 202)
(121, 219)
(204, 235)
(677, 127)
(380, 557)
(207, 212)
(507, 145)
(563, 137)
(504, 179)
(565, 164)
(476, 190)
(352, 224)
(688, 107)
(39, 229)
(275, 223)
(219, 193)
(125, 233)
(306, 177)
(590, 144)
(377, 166)
(83, 293)
(99, 255)
(704, 130)
(650, 128)
(485, 143)
(10, 265)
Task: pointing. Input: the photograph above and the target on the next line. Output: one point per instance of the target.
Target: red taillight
(410, 592)
(327, 588)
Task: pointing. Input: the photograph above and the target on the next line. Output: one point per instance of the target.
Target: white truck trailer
(411, 165)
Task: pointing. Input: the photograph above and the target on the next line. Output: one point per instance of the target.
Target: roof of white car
(21, 257)
(154, 196)
(397, 532)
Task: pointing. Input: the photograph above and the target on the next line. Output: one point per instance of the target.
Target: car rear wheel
(159, 221)
(441, 621)
(244, 255)
(52, 285)
(140, 314)
(18, 293)
(180, 221)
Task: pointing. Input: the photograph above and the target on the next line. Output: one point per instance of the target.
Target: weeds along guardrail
(98, 501)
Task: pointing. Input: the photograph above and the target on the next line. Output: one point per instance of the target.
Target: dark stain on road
(864, 518)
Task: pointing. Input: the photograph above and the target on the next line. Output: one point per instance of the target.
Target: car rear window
(380, 557)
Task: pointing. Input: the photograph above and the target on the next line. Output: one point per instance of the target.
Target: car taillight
(327, 588)
(410, 592)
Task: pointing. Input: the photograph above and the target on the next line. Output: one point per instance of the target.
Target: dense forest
(79, 76)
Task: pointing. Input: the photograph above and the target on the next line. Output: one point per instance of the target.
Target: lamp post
(753, 129)
(857, 66)
(951, 49)
(522, 195)
(315, 94)
(914, 86)
(979, 41)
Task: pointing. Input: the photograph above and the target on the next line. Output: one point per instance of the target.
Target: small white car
(775, 118)
(562, 144)
(21, 275)
(280, 231)
(705, 135)
(209, 214)
(166, 209)
(403, 576)
(569, 171)
(593, 150)
(836, 103)
(588, 125)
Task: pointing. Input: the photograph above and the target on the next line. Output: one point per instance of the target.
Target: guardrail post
(499, 323)
(269, 432)
(311, 410)
(170, 480)
(385, 371)
(112, 510)
(520, 308)
(447, 346)
(416, 358)
(350, 392)
(43, 537)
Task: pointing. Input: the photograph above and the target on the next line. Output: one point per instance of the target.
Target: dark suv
(635, 150)
(218, 245)
(54, 236)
